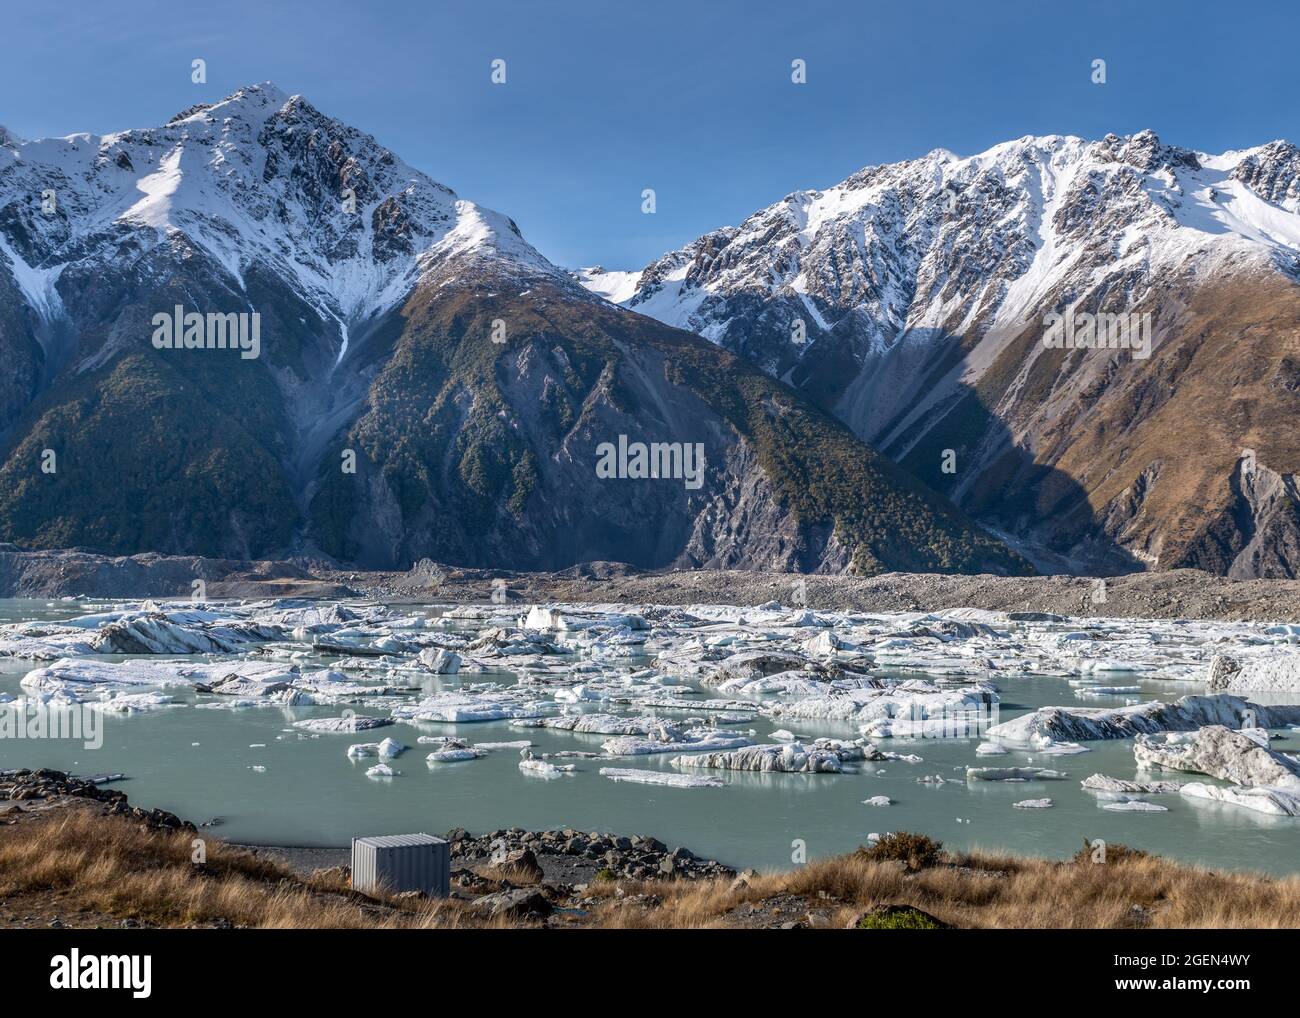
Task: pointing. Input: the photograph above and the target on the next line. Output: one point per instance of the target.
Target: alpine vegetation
(421, 341)
(681, 461)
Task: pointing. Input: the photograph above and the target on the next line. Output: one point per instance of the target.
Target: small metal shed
(402, 862)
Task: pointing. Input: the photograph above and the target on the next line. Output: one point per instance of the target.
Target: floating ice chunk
(878, 800)
(595, 724)
(541, 768)
(454, 755)
(1105, 690)
(461, 706)
(264, 681)
(382, 770)
(440, 661)
(990, 749)
(155, 633)
(580, 693)
(1187, 713)
(1013, 774)
(543, 619)
(1050, 747)
(131, 703)
(963, 708)
(1135, 806)
(487, 747)
(1120, 786)
(752, 665)
(1220, 753)
(825, 756)
(668, 738)
(390, 748)
(660, 778)
(1276, 801)
(1034, 804)
(347, 723)
(1276, 672)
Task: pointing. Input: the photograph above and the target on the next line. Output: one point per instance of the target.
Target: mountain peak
(264, 97)
(259, 180)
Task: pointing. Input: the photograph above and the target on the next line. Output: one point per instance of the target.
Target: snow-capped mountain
(259, 179)
(426, 384)
(913, 300)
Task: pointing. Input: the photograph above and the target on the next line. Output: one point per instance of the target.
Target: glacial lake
(270, 783)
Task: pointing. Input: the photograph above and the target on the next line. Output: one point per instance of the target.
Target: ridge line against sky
(693, 100)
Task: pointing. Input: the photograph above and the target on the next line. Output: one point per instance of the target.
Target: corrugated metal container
(402, 862)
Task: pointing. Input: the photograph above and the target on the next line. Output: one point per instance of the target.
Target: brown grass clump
(118, 869)
(96, 869)
(989, 890)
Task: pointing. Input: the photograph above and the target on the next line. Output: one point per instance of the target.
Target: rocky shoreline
(1182, 593)
(45, 787)
(509, 873)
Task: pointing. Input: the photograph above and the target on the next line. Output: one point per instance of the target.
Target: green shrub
(916, 850)
(897, 918)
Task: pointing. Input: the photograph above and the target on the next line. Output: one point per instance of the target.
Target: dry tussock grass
(117, 868)
(996, 891)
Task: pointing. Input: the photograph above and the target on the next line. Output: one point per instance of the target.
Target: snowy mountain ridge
(911, 300)
(947, 241)
(262, 178)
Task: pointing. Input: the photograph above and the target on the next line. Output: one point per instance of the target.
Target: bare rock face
(426, 384)
(911, 300)
(1220, 753)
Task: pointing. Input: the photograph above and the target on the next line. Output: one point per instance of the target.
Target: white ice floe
(1013, 774)
(160, 633)
(1185, 714)
(664, 737)
(455, 754)
(382, 770)
(660, 778)
(959, 711)
(595, 724)
(440, 661)
(822, 756)
(1104, 785)
(347, 723)
(1221, 753)
(465, 705)
(1034, 804)
(533, 767)
(131, 703)
(878, 800)
(1135, 806)
(1273, 672)
(1262, 799)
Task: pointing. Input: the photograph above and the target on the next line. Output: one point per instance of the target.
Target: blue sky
(693, 99)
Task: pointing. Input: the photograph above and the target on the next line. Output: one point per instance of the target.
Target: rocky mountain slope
(424, 382)
(913, 301)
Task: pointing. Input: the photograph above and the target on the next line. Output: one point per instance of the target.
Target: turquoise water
(198, 764)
